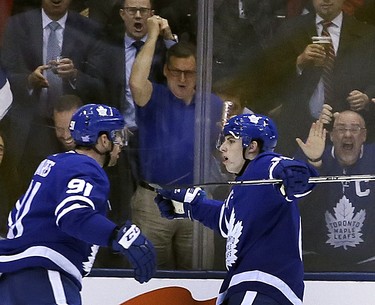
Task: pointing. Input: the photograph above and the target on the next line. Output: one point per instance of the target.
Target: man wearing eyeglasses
(166, 119)
(123, 38)
(310, 75)
(124, 48)
(338, 218)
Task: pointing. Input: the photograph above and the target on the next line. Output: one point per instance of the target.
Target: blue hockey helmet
(251, 127)
(89, 121)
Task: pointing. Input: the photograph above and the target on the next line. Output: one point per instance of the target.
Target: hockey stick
(317, 180)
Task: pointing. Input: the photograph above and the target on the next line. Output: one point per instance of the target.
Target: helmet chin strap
(247, 161)
(107, 154)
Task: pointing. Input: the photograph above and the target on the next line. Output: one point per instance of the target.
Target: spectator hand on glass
(315, 143)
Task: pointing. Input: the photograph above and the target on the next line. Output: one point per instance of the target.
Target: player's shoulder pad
(78, 163)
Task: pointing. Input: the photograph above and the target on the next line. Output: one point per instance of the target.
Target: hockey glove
(140, 252)
(172, 209)
(191, 195)
(295, 175)
(177, 203)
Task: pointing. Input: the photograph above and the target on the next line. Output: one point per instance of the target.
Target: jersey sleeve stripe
(69, 209)
(45, 252)
(69, 199)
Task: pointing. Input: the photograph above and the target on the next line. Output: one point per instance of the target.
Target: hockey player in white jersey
(56, 227)
(261, 223)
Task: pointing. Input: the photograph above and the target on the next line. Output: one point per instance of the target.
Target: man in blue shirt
(166, 119)
(123, 43)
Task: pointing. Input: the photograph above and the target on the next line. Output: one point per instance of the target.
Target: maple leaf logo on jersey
(234, 233)
(345, 227)
(87, 265)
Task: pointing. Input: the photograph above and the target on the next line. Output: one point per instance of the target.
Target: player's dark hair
(88, 147)
(260, 144)
(247, 161)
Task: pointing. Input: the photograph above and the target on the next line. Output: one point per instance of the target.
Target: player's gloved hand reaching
(140, 252)
(167, 209)
(177, 203)
(295, 175)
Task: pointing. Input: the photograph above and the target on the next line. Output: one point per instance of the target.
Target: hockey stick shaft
(317, 180)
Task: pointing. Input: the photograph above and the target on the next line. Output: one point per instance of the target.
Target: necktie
(327, 74)
(137, 45)
(55, 82)
(53, 48)
(128, 108)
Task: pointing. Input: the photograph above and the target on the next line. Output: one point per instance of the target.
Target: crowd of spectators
(263, 58)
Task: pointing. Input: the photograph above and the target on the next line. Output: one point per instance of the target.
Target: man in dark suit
(242, 29)
(24, 55)
(294, 71)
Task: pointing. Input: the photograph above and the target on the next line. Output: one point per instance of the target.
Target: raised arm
(140, 85)
(314, 146)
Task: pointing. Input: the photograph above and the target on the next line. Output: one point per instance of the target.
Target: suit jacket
(31, 136)
(114, 69)
(354, 70)
(22, 53)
